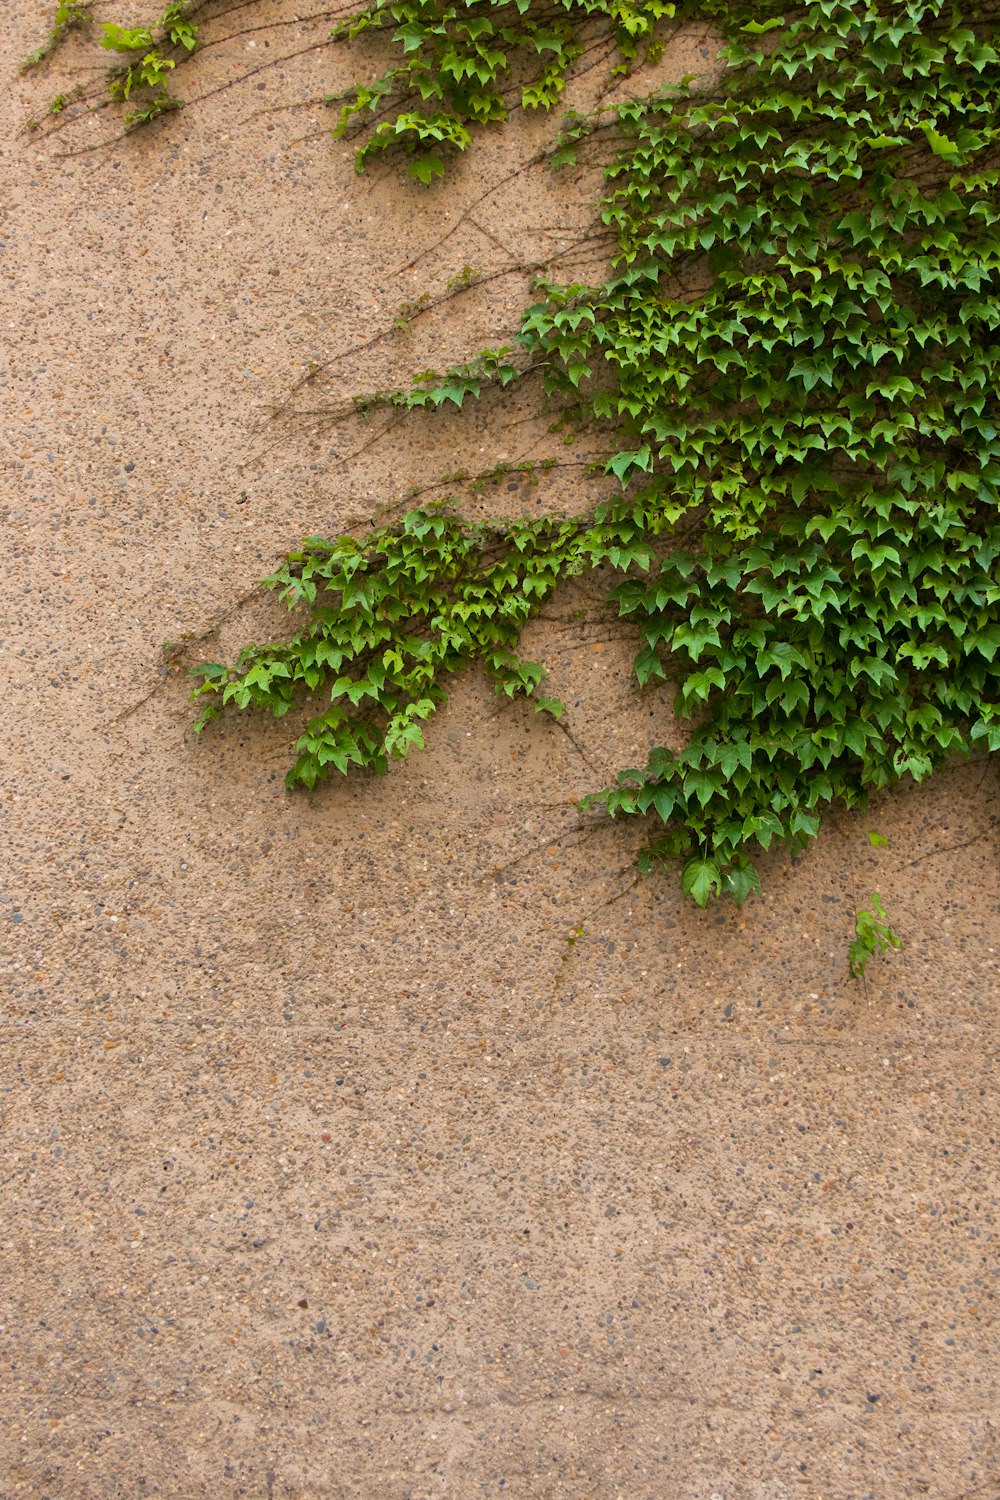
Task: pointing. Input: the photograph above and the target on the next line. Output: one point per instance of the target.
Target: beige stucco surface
(392, 1142)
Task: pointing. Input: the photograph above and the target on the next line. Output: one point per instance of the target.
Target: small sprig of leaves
(873, 936)
(148, 71)
(415, 132)
(71, 15)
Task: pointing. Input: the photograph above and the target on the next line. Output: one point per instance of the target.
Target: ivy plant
(801, 456)
(460, 60)
(148, 61)
(872, 936)
(822, 417)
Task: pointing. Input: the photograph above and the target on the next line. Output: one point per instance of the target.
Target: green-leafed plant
(792, 369)
(390, 619)
(148, 62)
(822, 414)
(460, 60)
(872, 936)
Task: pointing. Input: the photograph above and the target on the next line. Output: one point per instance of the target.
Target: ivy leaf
(740, 881)
(426, 168)
(939, 144)
(701, 880)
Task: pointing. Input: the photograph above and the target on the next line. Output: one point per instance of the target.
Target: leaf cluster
(149, 63)
(873, 936)
(460, 65)
(388, 621)
(826, 408)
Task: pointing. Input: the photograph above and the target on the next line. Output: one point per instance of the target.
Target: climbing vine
(147, 56)
(818, 417)
(459, 60)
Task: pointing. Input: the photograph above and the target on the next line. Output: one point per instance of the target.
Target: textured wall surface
(394, 1143)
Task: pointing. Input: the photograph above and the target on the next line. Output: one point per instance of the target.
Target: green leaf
(740, 881)
(939, 144)
(125, 39)
(553, 706)
(426, 168)
(701, 880)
